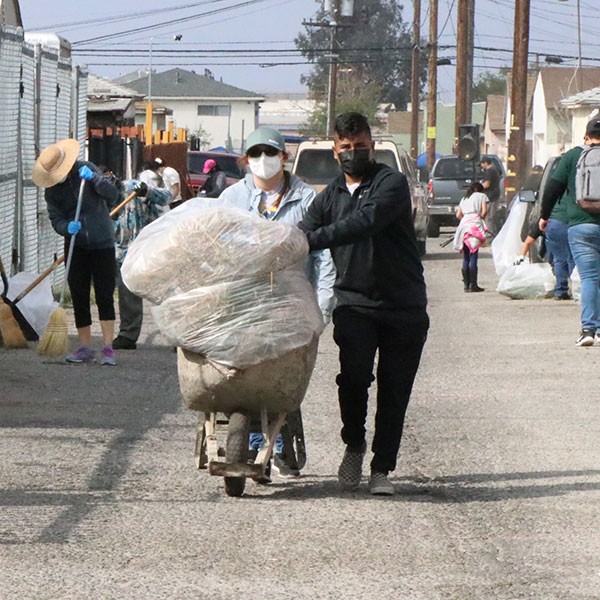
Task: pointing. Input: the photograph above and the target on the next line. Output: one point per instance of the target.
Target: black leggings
(92, 265)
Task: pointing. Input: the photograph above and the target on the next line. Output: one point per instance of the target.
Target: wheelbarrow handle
(61, 259)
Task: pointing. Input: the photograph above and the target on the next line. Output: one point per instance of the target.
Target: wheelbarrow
(233, 400)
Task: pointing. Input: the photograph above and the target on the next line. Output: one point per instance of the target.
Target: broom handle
(72, 243)
(61, 259)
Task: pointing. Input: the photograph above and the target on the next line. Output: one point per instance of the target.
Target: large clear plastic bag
(228, 284)
(201, 243)
(526, 280)
(507, 245)
(245, 322)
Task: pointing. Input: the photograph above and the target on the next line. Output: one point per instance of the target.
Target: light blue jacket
(319, 267)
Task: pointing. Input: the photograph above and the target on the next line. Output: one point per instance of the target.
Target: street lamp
(149, 108)
(177, 37)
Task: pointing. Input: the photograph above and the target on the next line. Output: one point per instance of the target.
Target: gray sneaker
(380, 485)
(83, 354)
(350, 470)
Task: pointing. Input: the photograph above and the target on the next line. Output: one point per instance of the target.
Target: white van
(315, 164)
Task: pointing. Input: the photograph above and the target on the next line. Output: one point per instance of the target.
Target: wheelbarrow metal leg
(212, 444)
(200, 450)
(270, 433)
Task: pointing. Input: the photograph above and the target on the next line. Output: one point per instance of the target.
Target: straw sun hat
(55, 162)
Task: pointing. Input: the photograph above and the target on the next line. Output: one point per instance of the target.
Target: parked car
(227, 162)
(316, 165)
(450, 178)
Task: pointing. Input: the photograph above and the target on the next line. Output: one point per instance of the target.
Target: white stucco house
(199, 102)
(553, 131)
(583, 107)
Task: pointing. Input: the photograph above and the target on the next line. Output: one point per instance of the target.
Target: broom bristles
(55, 340)
(12, 335)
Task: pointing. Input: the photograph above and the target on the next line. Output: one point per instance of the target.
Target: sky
(239, 40)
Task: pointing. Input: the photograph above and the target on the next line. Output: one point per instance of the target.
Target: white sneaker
(586, 338)
(380, 485)
(282, 470)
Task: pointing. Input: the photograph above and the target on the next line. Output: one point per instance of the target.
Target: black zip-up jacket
(97, 228)
(372, 241)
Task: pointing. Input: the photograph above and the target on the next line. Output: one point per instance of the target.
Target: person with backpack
(577, 180)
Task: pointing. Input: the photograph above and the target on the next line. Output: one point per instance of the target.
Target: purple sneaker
(83, 354)
(109, 356)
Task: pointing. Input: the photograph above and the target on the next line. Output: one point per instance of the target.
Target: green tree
(352, 96)
(488, 83)
(374, 44)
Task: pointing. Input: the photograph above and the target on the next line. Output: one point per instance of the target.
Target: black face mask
(355, 162)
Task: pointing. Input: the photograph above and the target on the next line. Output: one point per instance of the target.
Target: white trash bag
(526, 281)
(38, 304)
(507, 244)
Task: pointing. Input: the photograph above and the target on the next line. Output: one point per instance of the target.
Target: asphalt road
(498, 482)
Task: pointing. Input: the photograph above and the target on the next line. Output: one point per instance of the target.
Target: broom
(11, 333)
(55, 340)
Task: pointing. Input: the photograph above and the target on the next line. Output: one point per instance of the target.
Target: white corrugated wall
(30, 194)
(11, 40)
(43, 99)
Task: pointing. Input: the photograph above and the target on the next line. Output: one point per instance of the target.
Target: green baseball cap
(265, 136)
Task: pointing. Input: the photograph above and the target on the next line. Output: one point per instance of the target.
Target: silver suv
(315, 164)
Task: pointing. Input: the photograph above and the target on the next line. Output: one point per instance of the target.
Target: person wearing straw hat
(60, 173)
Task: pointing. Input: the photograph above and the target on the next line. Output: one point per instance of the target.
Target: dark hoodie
(97, 228)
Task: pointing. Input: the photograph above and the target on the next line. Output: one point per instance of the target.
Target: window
(213, 110)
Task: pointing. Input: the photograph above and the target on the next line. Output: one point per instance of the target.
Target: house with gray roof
(582, 106)
(201, 103)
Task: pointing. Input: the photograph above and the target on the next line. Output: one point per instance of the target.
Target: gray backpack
(587, 179)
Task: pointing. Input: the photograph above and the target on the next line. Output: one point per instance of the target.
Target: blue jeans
(257, 441)
(469, 258)
(584, 241)
(557, 242)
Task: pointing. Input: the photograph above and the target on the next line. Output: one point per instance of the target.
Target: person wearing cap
(583, 233)
(216, 182)
(272, 192)
(60, 173)
(152, 176)
(365, 217)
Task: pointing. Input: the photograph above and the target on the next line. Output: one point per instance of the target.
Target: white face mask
(265, 167)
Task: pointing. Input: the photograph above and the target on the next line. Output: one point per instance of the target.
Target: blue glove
(74, 226)
(86, 173)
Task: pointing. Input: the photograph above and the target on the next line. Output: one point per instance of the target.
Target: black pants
(87, 266)
(400, 344)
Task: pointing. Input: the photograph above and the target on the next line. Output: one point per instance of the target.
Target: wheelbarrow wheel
(236, 450)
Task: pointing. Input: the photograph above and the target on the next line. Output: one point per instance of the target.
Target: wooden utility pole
(462, 61)
(517, 159)
(432, 87)
(470, 51)
(415, 80)
(332, 90)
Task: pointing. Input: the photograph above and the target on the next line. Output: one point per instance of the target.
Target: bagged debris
(201, 243)
(227, 284)
(526, 281)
